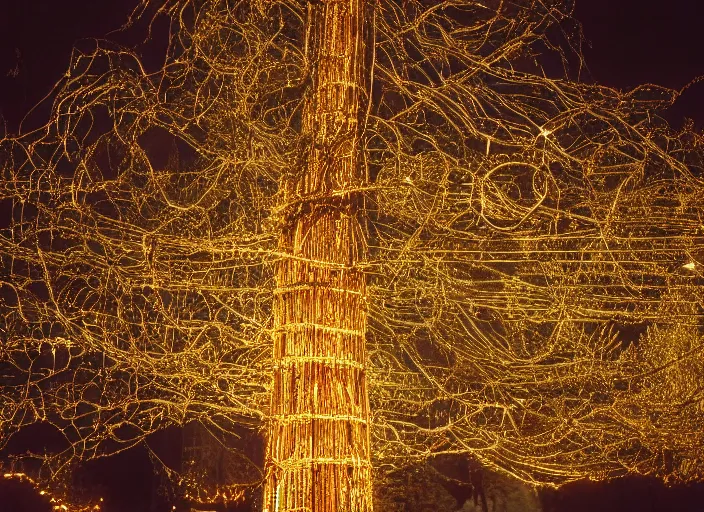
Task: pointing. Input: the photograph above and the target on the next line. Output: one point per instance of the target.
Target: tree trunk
(318, 446)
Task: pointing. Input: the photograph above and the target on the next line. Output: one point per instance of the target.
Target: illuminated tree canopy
(534, 246)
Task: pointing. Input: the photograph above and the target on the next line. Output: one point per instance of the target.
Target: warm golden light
(377, 232)
(318, 438)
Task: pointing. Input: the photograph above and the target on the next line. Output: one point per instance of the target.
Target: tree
(318, 441)
(500, 230)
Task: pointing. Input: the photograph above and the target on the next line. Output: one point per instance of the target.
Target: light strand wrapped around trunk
(318, 448)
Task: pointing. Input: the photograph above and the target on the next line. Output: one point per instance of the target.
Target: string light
(528, 296)
(56, 503)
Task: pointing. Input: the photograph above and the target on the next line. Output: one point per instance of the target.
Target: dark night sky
(629, 42)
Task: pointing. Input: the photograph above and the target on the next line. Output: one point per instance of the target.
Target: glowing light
(318, 228)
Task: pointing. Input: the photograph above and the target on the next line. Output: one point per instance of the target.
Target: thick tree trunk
(318, 446)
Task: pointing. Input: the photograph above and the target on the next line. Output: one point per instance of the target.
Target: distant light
(689, 266)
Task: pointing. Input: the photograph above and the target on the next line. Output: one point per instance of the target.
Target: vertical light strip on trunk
(318, 447)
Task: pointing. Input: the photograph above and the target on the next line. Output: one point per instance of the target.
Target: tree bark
(318, 447)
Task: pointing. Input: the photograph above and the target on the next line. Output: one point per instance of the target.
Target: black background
(629, 42)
